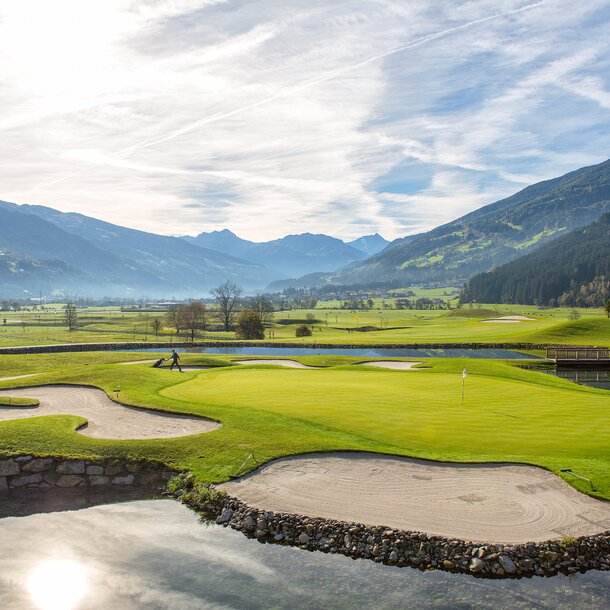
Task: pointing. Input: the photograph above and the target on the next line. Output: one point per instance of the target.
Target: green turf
(335, 325)
(9, 401)
(509, 414)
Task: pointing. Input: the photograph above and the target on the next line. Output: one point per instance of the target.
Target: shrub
(250, 325)
(303, 331)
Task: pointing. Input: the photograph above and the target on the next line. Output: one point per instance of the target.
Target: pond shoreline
(126, 346)
(400, 548)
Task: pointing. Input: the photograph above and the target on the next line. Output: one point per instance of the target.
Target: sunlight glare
(58, 584)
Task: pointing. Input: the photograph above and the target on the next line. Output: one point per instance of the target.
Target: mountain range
(293, 255)
(490, 236)
(572, 270)
(42, 249)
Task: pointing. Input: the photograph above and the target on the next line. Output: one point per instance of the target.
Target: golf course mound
(106, 418)
(496, 503)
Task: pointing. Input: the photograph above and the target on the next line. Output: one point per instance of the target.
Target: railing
(578, 353)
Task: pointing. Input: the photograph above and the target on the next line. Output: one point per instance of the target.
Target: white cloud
(269, 117)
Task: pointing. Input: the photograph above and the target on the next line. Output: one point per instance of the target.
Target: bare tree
(70, 315)
(263, 306)
(157, 325)
(174, 318)
(193, 316)
(228, 296)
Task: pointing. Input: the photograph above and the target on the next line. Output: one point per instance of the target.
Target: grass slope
(509, 414)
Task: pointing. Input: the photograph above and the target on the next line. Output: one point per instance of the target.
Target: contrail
(290, 90)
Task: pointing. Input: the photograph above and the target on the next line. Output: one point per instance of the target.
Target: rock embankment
(407, 549)
(46, 472)
(138, 345)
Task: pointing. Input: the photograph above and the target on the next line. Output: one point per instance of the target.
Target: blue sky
(268, 117)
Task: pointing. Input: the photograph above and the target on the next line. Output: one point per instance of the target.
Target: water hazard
(594, 378)
(487, 353)
(154, 554)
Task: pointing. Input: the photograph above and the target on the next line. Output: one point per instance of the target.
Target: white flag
(464, 374)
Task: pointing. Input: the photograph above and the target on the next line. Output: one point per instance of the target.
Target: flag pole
(464, 373)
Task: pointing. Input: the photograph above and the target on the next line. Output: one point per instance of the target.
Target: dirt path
(107, 419)
(484, 503)
(391, 364)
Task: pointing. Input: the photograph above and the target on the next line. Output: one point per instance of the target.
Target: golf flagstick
(464, 375)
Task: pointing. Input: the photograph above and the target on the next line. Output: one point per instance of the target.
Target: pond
(594, 378)
(487, 353)
(154, 554)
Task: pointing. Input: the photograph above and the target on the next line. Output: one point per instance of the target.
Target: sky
(272, 117)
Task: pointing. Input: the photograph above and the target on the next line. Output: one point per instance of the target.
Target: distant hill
(369, 244)
(292, 256)
(573, 270)
(492, 235)
(22, 276)
(222, 241)
(118, 260)
(297, 255)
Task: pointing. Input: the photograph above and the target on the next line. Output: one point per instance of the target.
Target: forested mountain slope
(492, 235)
(573, 270)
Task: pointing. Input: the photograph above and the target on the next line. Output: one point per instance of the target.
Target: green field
(509, 414)
(331, 325)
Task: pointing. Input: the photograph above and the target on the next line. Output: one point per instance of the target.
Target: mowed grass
(509, 414)
(466, 325)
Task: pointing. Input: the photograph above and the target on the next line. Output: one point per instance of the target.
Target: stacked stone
(29, 471)
(415, 549)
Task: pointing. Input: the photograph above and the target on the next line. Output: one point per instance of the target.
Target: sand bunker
(510, 319)
(391, 364)
(293, 364)
(137, 362)
(18, 377)
(185, 367)
(107, 419)
(484, 503)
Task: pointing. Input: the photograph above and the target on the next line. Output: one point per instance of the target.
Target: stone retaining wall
(27, 471)
(94, 347)
(410, 549)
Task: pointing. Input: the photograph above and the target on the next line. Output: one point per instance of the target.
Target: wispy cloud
(181, 116)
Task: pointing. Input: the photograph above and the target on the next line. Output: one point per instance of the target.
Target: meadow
(329, 325)
(509, 414)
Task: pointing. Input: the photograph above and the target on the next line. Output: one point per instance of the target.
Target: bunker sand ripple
(106, 418)
(480, 502)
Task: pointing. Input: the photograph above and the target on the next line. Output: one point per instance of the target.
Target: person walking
(175, 361)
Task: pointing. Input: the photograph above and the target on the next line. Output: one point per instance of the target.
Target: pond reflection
(58, 584)
(155, 554)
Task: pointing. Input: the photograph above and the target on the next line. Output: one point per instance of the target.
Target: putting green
(499, 417)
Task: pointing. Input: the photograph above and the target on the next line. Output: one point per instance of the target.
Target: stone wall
(28, 471)
(410, 549)
(91, 347)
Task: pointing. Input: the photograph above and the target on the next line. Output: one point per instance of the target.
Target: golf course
(508, 414)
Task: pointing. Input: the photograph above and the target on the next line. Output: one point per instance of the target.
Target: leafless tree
(157, 325)
(174, 318)
(228, 297)
(70, 315)
(263, 306)
(193, 317)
